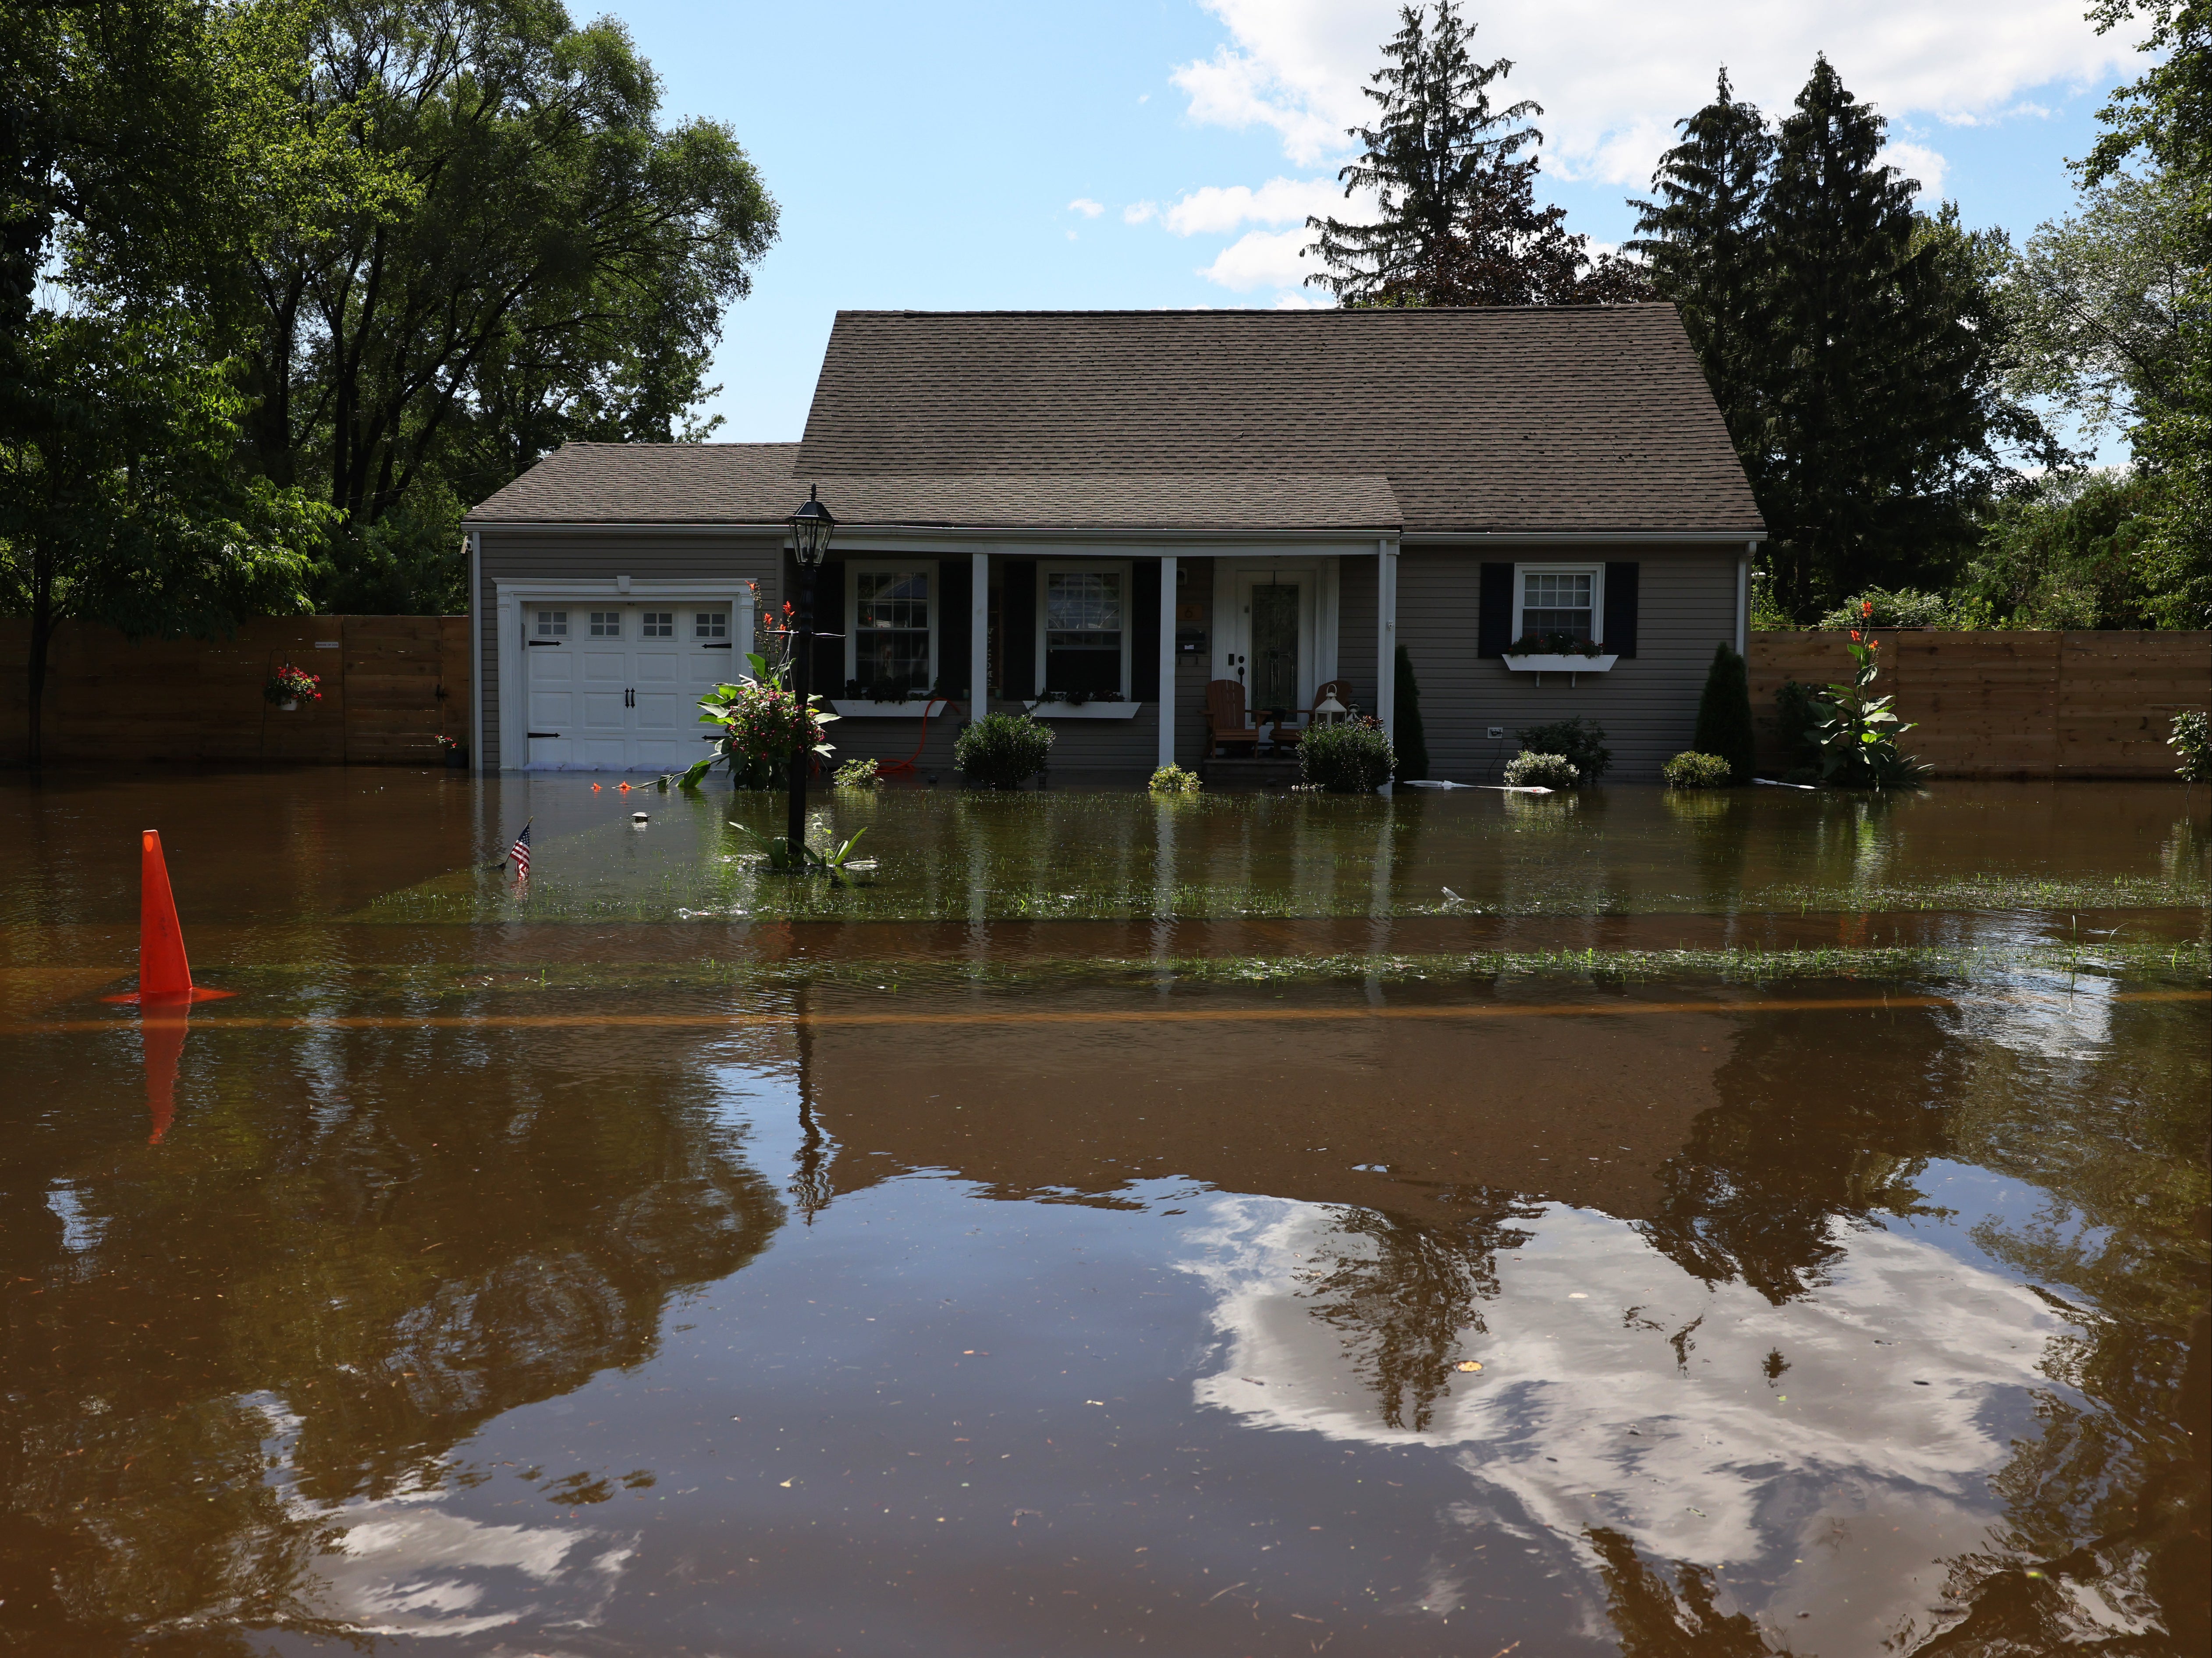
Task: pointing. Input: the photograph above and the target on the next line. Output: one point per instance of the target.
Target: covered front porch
(1115, 646)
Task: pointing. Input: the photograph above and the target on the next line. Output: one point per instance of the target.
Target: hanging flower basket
(289, 687)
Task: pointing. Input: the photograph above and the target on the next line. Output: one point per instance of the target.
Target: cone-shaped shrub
(1406, 733)
(1724, 714)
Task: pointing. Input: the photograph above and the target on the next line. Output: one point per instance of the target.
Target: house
(1119, 508)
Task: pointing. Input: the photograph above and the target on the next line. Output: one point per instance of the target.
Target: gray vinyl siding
(1355, 629)
(643, 554)
(1648, 704)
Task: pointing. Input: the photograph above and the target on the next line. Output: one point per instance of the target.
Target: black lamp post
(809, 541)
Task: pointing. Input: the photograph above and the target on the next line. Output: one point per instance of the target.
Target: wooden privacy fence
(2010, 704)
(391, 686)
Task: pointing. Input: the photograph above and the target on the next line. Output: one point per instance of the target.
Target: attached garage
(614, 687)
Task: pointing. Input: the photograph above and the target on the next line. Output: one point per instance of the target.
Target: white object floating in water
(1433, 783)
(1769, 783)
(637, 818)
(1451, 897)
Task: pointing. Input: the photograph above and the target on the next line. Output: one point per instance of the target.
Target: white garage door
(616, 688)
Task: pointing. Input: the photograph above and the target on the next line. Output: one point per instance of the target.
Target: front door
(1268, 643)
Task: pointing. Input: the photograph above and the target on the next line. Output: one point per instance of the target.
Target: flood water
(1461, 1224)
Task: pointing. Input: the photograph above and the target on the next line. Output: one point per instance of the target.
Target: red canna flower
(1855, 635)
(1866, 607)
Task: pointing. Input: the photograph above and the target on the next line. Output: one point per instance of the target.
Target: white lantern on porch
(1329, 711)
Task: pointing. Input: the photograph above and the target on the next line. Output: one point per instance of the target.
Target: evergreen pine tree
(1407, 735)
(1724, 714)
(1459, 220)
(1702, 239)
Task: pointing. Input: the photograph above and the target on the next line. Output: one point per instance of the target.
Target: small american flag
(520, 852)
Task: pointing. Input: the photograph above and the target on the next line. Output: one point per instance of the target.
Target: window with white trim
(606, 624)
(1558, 599)
(1083, 629)
(890, 620)
(552, 624)
(660, 624)
(710, 624)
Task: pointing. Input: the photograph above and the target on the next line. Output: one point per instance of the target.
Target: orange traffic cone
(164, 974)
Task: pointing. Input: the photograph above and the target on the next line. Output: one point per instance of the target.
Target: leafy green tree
(2097, 302)
(120, 504)
(2069, 554)
(2165, 114)
(1888, 423)
(450, 238)
(1703, 238)
(1455, 181)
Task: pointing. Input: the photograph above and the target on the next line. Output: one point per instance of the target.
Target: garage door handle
(543, 733)
(723, 645)
(544, 641)
(630, 697)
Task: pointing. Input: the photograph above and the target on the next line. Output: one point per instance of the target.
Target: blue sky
(1164, 152)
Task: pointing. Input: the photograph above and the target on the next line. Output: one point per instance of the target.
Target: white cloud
(1219, 209)
(1614, 76)
(1140, 212)
(1262, 258)
(1086, 207)
(1919, 162)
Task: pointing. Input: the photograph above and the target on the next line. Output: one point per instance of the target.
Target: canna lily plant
(1857, 731)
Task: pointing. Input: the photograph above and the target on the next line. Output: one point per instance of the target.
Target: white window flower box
(1569, 663)
(1084, 710)
(846, 708)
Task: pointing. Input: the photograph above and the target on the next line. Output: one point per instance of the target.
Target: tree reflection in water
(1403, 1294)
(354, 1285)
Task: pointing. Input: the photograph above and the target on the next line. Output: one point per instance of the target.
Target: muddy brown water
(1737, 1226)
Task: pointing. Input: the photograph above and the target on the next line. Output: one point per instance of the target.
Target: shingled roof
(1503, 421)
(1498, 420)
(754, 483)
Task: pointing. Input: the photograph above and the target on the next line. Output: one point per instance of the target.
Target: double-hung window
(1085, 621)
(1553, 600)
(892, 626)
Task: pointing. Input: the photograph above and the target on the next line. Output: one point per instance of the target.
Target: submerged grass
(2186, 965)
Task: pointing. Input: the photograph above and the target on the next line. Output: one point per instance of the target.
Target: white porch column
(978, 635)
(1386, 634)
(1166, 658)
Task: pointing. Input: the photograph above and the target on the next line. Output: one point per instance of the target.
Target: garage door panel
(656, 667)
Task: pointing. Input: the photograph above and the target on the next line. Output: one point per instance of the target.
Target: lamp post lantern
(809, 541)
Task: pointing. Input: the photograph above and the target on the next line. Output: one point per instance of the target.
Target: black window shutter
(954, 622)
(1620, 608)
(1145, 641)
(1493, 620)
(1017, 625)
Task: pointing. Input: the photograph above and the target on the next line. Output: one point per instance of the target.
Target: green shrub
(1405, 728)
(2188, 740)
(858, 775)
(1724, 714)
(1882, 607)
(1354, 757)
(1581, 741)
(1530, 770)
(1692, 770)
(1857, 731)
(1174, 780)
(1003, 750)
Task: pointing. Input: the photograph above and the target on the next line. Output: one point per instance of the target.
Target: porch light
(810, 529)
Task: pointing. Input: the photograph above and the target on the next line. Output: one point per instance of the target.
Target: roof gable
(1492, 421)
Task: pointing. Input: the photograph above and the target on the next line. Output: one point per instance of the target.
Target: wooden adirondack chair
(1227, 729)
